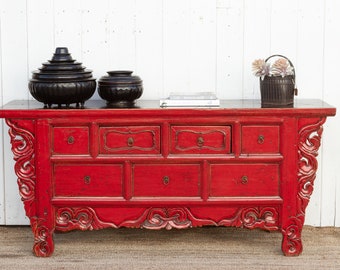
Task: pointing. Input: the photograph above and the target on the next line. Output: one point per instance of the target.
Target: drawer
(244, 180)
(130, 140)
(70, 140)
(260, 139)
(200, 139)
(166, 180)
(88, 180)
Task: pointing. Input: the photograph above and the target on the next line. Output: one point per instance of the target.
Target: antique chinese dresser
(149, 167)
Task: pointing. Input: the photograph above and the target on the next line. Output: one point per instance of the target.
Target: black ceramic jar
(120, 88)
(62, 81)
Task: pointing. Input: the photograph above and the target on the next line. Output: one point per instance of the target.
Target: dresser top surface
(98, 108)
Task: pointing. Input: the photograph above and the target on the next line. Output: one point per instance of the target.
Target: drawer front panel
(88, 180)
(130, 140)
(161, 180)
(70, 140)
(200, 139)
(260, 139)
(244, 180)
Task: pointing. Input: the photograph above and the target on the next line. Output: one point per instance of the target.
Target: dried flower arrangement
(281, 67)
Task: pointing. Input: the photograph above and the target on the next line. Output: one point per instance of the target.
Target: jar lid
(62, 68)
(120, 77)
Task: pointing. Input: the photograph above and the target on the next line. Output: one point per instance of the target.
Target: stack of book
(201, 99)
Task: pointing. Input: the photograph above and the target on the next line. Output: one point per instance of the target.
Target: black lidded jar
(62, 81)
(120, 88)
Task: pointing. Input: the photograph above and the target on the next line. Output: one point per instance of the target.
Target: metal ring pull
(87, 179)
(70, 140)
(200, 141)
(130, 141)
(166, 180)
(244, 179)
(260, 139)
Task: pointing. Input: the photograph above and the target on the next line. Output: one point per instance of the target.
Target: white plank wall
(179, 45)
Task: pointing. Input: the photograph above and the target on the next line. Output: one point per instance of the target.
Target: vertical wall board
(95, 38)
(284, 24)
(68, 26)
(176, 46)
(122, 36)
(256, 43)
(14, 86)
(2, 175)
(40, 33)
(310, 78)
(202, 46)
(14, 209)
(229, 49)
(149, 47)
(14, 50)
(284, 30)
(331, 144)
(310, 49)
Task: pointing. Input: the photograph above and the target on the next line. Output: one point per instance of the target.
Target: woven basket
(277, 91)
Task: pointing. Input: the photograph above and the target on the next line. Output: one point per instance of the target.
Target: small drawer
(88, 180)
(232, 180)
(166, 180)
(70, 140)
(130, 140)
(200, 140)
(260, 139)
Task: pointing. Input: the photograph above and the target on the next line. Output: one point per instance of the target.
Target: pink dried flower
(281, 67)
(260, 68)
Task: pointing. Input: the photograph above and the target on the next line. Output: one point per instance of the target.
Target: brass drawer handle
(166, 180)
(200, 141)
(260, 139)
(87, 179)
(130, 141)
(244, 179)
(70, 140)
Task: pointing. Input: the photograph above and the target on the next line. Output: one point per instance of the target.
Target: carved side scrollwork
(22, 137)
(43, 238)
(309, 143)
(308, 146)
(22, 140)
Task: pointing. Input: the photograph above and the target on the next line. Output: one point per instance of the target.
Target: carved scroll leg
(291, 238)
(43, 238)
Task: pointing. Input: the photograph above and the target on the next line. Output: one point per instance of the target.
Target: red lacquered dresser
(149, 167)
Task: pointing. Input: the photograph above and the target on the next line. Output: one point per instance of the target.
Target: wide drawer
(130, 140)
(260, 139)
(166, 180)
(70, 140)
(88, 180)
(244, 180)
(200, 139)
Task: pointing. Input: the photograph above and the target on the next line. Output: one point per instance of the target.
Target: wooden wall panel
(182, 46)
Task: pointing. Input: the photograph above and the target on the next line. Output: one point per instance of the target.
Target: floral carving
(85, 218)
(79, 218)
(158, 218)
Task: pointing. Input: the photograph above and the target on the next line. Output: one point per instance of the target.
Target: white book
(167, 102)
(192, 96)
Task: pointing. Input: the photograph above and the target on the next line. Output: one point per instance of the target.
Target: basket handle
(280, 55)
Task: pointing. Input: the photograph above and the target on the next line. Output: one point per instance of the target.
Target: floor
(198, 248)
